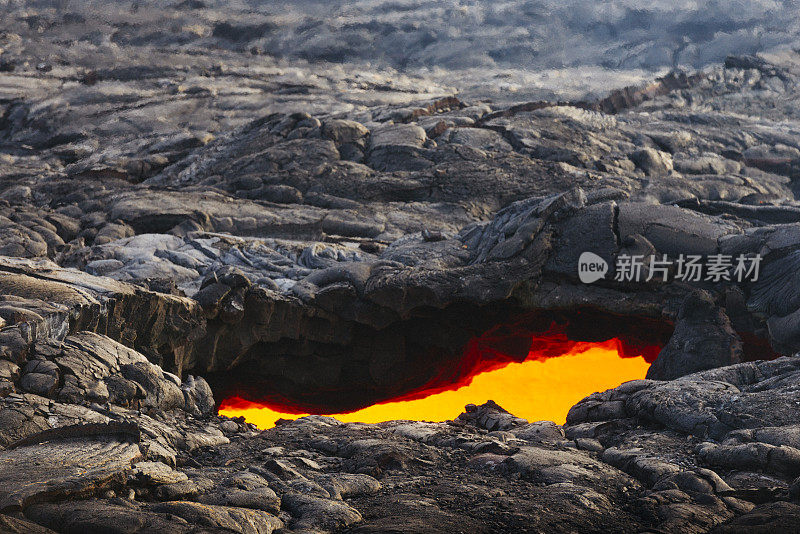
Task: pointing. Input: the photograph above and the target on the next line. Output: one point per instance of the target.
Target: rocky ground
(184, 216)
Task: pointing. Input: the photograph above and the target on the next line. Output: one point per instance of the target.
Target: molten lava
(534, 376)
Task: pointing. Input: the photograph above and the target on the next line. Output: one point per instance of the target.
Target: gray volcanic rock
(189, 213)
(703, 339)
(14, 525)
(74, 468)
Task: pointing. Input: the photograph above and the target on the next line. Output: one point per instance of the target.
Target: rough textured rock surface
(703, 339)
(189, 211)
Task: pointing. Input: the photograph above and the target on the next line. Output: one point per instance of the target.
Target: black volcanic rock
(703, 339)
(188, 213)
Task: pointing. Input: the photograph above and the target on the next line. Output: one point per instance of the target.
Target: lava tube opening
(534, 375)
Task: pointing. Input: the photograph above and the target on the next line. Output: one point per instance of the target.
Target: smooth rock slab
(112, 517)
(315, 513)
(241, 520)
(13, 525)
(61, 469)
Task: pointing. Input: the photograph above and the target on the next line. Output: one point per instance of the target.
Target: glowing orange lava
(542, 387)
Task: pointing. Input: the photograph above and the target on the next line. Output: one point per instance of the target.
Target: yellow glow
(535, 390)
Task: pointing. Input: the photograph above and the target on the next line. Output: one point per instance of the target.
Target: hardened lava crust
(196, 200)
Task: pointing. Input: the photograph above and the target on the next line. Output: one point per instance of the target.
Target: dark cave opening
(434, 351)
